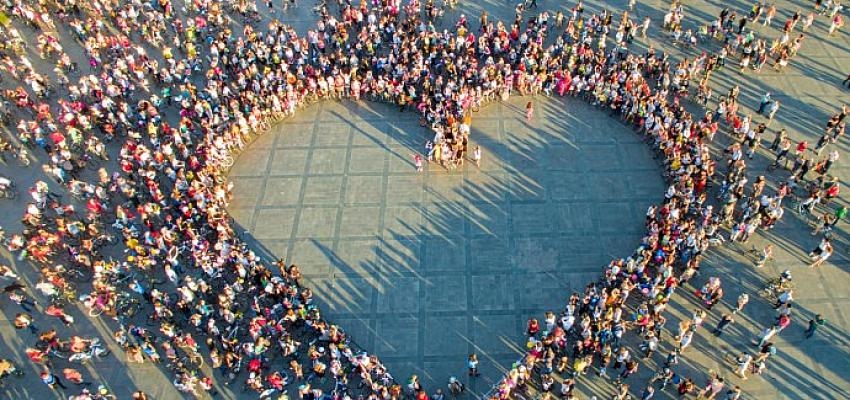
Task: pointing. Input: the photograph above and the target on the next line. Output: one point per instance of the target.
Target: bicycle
(127, 306)
(95, 310)
(263, 127)
(193, 356)
(73, 274)
(775, 287)
(64, 295)
(311, 98)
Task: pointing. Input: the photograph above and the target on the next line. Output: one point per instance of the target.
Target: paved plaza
(424, 268)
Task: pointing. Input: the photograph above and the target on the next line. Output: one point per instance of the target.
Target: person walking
(814, 323)
(743, 362)
(822, 256)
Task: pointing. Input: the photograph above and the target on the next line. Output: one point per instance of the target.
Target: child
(417, 160)
(476, 156)
(529, 111)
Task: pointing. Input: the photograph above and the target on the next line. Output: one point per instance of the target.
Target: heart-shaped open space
(425, 268)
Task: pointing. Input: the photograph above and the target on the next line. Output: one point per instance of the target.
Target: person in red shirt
(533, 327)
(276, 380)
(801, 148)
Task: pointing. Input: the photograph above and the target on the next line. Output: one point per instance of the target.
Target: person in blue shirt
(765, 101)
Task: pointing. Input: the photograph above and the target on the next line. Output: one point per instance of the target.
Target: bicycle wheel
(226, 162)
(95, 311)
(80, 276)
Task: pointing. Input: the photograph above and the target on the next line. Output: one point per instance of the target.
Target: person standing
(75, 377)
(743, 299)
(24, 320)
(417, 161)
(772, 112)
(51, 380)
(768, 16)
(765, 101)
(814, 324)
(837, 22)
(766, 351)
(685, 340)
(714, 387)
(734, 393)
(648, 393)
(630, 368)
(766, 254)
(766, 335)
(780, 136)
(472, 365)
(725, 320)
(529, 111)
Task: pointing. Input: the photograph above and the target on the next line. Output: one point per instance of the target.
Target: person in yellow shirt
(580, 365)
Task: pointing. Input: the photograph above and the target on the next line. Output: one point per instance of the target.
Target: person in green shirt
(814, 324)
(840, 213)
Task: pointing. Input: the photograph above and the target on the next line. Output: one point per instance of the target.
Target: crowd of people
(175, 116)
